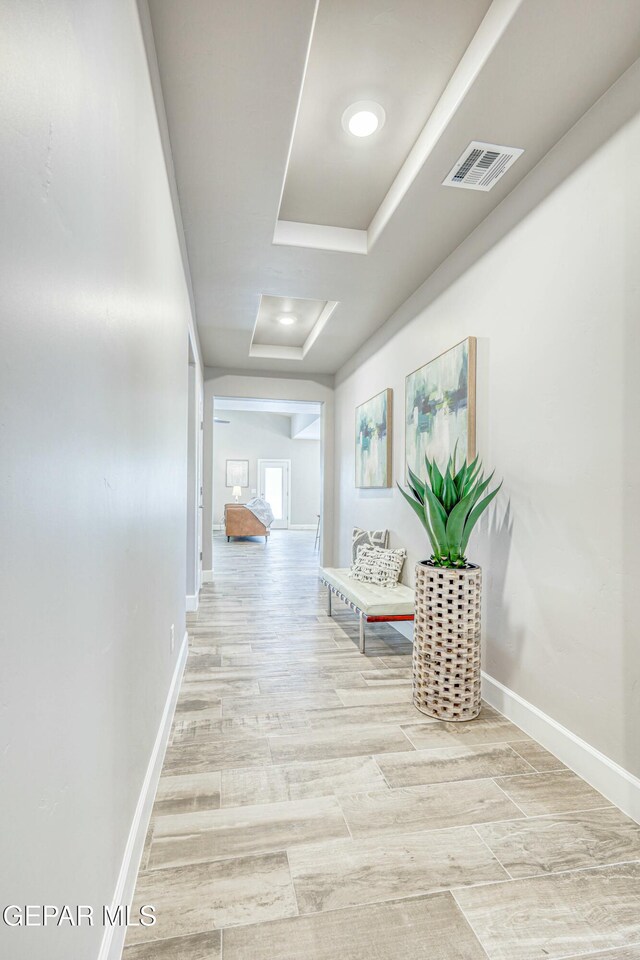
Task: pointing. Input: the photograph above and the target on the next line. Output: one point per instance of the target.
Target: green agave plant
(449, 505)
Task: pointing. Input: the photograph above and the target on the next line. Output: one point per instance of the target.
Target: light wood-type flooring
(306, 810)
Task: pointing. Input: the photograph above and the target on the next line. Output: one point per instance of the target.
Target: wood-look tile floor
(307, 811)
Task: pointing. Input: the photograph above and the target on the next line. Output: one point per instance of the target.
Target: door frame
(262, 460)
(194, 479)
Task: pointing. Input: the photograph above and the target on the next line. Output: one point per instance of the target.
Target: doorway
(277, 447)
(273, 486)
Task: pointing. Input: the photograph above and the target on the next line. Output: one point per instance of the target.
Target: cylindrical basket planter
(446, 644)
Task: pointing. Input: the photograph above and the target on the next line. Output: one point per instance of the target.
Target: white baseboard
(193, 599)
(617, 784)
(207, 576)
(113, 939)
(218, 526)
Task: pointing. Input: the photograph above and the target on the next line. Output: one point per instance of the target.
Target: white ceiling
(399, 55)
(231, 76)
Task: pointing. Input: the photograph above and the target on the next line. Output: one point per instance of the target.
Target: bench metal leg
(362, 623)
(329, 601)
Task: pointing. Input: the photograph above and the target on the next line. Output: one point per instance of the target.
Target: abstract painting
(237, 473)
(373, 441)
(440, 408)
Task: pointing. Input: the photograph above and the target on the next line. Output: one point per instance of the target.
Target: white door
(273, 482)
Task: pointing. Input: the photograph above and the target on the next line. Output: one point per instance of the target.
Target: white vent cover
(481, 166)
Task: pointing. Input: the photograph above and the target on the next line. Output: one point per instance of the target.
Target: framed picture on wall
(373, 441)
(440, 408)
(237, 473)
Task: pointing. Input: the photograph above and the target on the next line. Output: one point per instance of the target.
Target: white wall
(266, 436)
(550, 287)
(94, 316)
(318, 389)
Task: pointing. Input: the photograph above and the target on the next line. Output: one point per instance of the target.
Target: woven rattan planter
(446, 645)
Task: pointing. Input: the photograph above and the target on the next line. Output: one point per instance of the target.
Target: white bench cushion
(374, 601)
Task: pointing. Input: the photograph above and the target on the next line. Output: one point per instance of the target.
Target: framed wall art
(440, 408)
(237, 473)
(373, 441)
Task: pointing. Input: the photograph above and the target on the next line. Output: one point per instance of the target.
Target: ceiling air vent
(481, 166)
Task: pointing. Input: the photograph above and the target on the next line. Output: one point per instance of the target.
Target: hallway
(307, 810)
(311, 252)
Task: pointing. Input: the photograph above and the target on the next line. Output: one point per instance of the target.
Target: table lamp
(237, 493)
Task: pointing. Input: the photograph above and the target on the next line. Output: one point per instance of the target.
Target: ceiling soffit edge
(349, 240)
(275, 351)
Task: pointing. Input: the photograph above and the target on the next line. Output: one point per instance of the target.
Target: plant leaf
(450, 494)
(429, 470)
(474, 464)
(422, 515)
(481, 485)
(455, 523)
(460, 478)
(464, 477)
(414, 493)
(438, 519)
(475, 514)
(417, 483)
(437, 480)
(473, 475)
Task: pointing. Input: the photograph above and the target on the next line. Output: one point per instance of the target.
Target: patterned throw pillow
(367, 538)
(375, 565)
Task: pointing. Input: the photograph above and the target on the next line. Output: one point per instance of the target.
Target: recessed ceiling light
(363, 118)
(287, 319)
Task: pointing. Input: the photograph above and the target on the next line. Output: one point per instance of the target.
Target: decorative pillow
(375, 565)
(367, 538)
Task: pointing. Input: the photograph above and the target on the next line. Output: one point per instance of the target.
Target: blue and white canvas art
(440, 408)
(373, 441)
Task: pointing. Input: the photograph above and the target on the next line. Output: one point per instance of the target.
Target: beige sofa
(240, 522)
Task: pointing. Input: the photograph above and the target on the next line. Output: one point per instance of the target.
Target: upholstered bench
(372, 603)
